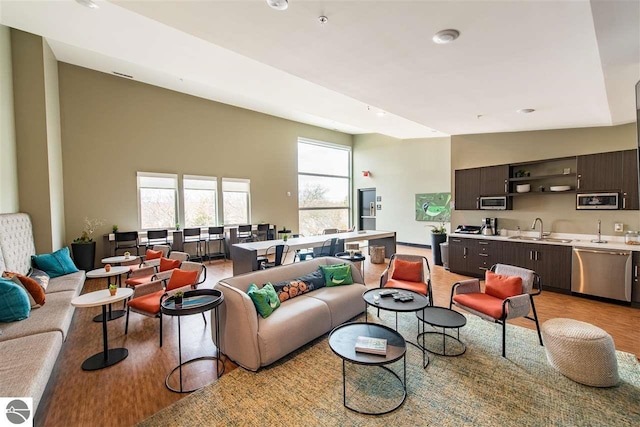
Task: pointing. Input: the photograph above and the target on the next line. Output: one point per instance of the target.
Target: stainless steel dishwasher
(602, 272)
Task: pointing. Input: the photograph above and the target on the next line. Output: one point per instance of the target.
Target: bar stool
(244, 233)
(192, 235)
(127, 240)
(216, 234)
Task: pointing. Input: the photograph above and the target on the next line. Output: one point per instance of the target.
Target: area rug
(479, 388)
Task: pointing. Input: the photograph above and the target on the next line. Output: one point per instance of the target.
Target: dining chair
(279, 253)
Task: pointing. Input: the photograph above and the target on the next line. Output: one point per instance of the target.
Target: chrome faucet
(533, 227)
(599, 239)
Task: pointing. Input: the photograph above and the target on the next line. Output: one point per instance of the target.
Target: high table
(245, 255)
(115, 271)
(103, 298)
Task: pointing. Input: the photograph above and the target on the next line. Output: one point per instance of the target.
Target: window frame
(212, 179)
(172, 176)
(348, 177)
(246, 181)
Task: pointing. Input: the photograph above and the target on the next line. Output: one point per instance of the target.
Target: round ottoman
(581, 352)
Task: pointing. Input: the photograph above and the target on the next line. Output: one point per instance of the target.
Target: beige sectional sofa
(253, 342)
(29, 348)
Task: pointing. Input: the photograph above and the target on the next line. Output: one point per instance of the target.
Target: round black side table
(193, 302)
(444, 318)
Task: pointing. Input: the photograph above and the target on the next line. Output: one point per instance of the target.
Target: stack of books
(372, 345)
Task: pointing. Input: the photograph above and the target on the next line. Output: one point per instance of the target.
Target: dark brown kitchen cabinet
(460, 254)
(472, 257)
(630, 180)
(489, 252)
(600, 172)
(467, 189)
(494, 180)
(635, 286)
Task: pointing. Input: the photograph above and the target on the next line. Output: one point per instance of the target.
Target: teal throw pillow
(55, 264)
(265, 299)
(14, 301)
(337, 274)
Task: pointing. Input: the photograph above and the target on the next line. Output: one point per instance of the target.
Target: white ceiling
(575, 62)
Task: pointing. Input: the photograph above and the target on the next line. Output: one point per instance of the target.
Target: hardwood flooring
(134, 389)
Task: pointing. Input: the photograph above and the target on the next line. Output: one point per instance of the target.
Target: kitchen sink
(537, 239)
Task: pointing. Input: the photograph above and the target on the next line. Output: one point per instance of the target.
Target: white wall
(400, 169)
(8, 162)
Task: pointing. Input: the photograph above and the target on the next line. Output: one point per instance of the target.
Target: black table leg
(113, 314)
(107, 357)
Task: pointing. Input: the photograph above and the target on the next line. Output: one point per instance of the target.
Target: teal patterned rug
(479, 388)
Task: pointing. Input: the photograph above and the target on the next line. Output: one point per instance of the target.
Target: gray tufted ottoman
(581, 352)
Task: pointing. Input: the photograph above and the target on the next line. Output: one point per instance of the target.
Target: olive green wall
(399, 170)
(557, 211)
(8, 162)
(113, 127)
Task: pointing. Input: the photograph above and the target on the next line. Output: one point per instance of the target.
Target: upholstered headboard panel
(16, 243)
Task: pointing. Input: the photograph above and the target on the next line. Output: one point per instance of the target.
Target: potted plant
(113, 288)
(285, 237)
(114, 228)
(84, 248)
(438, 235)
(177, 226)
(177, 298)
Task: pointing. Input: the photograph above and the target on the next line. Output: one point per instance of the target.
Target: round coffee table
(119, 259)
(342, 341)
(446, 319)
(103, 298)
(194, 302)
(116, 271)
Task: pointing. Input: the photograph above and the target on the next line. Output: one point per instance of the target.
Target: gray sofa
(253, 342)
(29, 348)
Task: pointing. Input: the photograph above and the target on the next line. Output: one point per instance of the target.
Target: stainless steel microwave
(598, 201)
(497, 203)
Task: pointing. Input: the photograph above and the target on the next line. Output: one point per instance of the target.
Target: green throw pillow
(337, 274)
(265, 299)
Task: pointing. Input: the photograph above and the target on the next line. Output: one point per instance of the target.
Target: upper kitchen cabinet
(630, 180)
(494, 180)
(467, 189)
(600, 172)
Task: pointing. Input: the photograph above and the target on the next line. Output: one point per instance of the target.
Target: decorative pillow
(32, 287)
(151, 254)
(32, 302)
(501, 286)
(409, 271)
(180, 278)
(265, 299)
(337, 274)
(167, 264)
(40, 277)
(55, 264)
(14, 302)
(292, 288)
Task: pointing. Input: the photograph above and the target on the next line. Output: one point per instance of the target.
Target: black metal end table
(342, 341)
(194, 302)
(444, 318)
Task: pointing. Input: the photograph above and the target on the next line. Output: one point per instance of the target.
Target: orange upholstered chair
(147, 296)
(508, 294)
(152, 267)
(409, 272)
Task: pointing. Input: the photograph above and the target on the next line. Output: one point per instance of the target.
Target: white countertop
(577, 240)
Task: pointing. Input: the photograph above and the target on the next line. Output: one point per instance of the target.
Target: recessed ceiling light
(278, 4)
(446, 36)
(323, 19)
(381, 114)
(88, 3)
(526, 110)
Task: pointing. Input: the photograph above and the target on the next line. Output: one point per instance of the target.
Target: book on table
(372, 345)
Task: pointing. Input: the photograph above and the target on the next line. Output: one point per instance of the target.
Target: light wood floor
(134, 389)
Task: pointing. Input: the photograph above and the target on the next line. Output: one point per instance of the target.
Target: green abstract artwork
(433, 207)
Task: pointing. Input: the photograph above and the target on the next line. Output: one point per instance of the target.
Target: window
(157, 200)
(200, 201)
(236, 207)
(324, 186)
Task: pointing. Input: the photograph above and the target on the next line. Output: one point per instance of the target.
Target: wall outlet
(618, 227)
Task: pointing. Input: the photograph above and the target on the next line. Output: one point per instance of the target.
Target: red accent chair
(409, 272)
(509, 293)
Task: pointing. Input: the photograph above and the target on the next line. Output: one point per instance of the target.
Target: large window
(157, 200)
(324, 186)
(200, 201)
(236, 198)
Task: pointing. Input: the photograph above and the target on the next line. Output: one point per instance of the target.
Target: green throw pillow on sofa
(337, 274)
(55, 264)
(265, 299)
(14, 302)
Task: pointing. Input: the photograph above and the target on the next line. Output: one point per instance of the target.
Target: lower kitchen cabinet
(635, 286)
(472, 257)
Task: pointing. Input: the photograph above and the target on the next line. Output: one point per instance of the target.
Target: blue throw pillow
(55, 264)
(14, 302)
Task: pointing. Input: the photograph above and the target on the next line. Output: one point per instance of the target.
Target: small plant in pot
(177, 298)
(114, 228)
(113, 288)
(285, 237)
